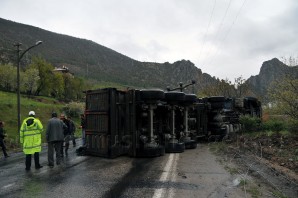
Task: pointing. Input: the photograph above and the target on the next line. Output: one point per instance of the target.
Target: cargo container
(107, 130)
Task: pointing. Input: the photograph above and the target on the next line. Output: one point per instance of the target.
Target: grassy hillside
(42, 106)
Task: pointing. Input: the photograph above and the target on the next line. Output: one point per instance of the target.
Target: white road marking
(169, 174)
(8, 185)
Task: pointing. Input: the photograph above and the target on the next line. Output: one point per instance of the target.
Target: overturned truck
(152, 122)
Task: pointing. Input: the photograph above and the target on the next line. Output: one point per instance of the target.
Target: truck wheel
(174, 96)
(190, 144)
(175, 147)
(217, 105)
(216, 99)
(190, 98)
(151, 151)
(152, 94)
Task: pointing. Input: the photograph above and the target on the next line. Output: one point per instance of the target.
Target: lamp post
(20, 56)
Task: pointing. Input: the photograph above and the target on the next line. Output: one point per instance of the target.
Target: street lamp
(20, 56)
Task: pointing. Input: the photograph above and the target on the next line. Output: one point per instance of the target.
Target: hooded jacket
(30, 135)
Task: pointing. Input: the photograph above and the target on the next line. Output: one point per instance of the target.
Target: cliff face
(271, 71)
(182, 71)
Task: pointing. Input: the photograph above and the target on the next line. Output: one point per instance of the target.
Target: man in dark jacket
(72, 129)
(55, 137)
(2, 136)
(83, 127)
(67, 133)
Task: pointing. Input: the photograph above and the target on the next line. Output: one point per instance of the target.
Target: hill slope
(94, 61)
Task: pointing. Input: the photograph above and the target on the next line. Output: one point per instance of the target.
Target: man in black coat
(67, 133)
(72, 129)
(83, 127)
(2, 136)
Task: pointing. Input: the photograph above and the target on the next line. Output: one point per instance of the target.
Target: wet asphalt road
(194, 173)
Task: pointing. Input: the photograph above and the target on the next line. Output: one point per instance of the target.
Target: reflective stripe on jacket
(30, 135)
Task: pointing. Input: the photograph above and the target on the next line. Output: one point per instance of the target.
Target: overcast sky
(224, 38)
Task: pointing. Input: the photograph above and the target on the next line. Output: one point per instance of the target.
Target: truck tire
(175, 147)
(190, 98)
(174, 96)
(217, 105)
(152, 94)
(150, 151)
(190, 144)
(216, 99)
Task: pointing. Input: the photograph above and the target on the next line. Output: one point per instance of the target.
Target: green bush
(249, 123)
(293, 127)
(274, 125)
(74, 109)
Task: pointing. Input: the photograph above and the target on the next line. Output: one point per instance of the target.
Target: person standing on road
(55, 137)
(2, 136)
(30, 137)
(83, 126)
(72, 129)
(67, 134)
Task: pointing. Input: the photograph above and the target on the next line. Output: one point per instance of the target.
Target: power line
(211, 16)
(228, 32)
(219, 28)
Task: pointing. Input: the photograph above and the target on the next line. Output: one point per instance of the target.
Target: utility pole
(19, 57)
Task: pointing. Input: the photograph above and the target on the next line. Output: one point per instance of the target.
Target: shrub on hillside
(293, 127)
(249, 123)
(74, 109)
(274, 125)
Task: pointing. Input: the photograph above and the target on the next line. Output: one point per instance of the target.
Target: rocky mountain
(271, 71)
(90, 60)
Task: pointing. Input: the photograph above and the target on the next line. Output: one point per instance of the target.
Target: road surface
(194, 173)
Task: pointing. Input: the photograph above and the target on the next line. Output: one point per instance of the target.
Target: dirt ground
(271, 160)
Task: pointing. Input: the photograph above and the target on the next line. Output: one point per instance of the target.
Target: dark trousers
(57, 145)
(3, 147)
(83, 137)
(28, 160)
(73, 140)
(67, 139)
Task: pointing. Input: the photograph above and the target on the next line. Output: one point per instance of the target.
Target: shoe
(38, 167)
(27, 169)
(6, 156)
(50, 165)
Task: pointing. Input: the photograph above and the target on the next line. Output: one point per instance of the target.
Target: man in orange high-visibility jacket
(30, 137)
